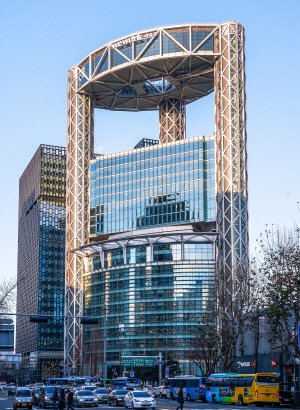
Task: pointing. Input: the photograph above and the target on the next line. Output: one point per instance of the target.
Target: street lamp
(104, 343)
(160, 356)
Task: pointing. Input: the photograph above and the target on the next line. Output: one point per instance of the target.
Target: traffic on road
(218, 391)
(6, 403)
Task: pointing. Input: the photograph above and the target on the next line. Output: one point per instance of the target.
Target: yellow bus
(243, 389)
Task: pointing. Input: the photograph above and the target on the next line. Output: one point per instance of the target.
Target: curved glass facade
(164, 184)
(152, 261)
(152, 294)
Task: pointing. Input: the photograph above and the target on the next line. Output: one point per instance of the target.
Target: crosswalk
(6, 404)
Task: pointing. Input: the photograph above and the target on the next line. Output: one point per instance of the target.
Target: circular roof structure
(138, 71)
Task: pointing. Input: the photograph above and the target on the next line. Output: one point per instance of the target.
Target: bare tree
(207, 351)
(278, 263)
(219, 340)
(7, 295)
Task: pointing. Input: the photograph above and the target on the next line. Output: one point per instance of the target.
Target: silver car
(84, 398)
(23, 398)
(102, 395)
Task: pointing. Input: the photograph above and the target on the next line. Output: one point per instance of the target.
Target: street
(162, 404)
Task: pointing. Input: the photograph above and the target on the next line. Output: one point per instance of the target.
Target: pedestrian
(70, 400)
(61, 400)
(180, 399)
(55, 398)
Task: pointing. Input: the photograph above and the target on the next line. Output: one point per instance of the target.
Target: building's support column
(79, 152)
(231, 160)
(171, 120)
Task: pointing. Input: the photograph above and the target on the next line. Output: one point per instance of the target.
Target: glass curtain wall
(164, 184)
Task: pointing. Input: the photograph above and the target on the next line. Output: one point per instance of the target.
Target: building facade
(153, 277)
(148, 230)
(41, 266)
(7, 335)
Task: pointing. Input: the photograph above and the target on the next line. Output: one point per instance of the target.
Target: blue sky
(41, 40)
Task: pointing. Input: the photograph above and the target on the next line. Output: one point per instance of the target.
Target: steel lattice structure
(231, 160)
(163, 68)
(172, 120)
(80, 145)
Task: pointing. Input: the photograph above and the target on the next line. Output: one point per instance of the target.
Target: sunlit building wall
(41, 250)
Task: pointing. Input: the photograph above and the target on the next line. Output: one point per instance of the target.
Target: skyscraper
(148, 230)
(41, 265)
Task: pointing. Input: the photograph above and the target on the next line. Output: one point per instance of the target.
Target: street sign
(131, 374)
(138, 361)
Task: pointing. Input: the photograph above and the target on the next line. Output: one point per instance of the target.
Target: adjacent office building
(41, 263)
(7, 335)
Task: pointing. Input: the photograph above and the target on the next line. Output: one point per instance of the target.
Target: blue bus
(90, 380)
(122, 382)
(194, 387)
(77, 381)
(59, 381)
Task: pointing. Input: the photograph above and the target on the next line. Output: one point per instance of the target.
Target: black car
(36, 395)
(286, 397)
(10, 389)
(46, 395)
(116, 397)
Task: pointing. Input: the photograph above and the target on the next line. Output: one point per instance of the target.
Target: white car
(139, 399)
(161, 391)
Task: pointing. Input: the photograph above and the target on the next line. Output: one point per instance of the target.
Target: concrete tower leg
(80, 145)
(171, 120)
(231, 161)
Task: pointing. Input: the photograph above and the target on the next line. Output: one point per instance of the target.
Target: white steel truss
(171, 120)
(127, 75)
(231, 161)
(80, 147)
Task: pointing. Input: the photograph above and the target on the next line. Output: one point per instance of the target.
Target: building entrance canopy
(138, 71)
(121, 240)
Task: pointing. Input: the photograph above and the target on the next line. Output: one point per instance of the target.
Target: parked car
(46, 396)
(161, 391)
(116, 397)
(102, 395)
(165, 392)
(22, 398)
(139, 399)
(84, 398)
(286, 397)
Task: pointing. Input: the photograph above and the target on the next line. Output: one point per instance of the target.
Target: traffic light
(89, 320)
(38, 319)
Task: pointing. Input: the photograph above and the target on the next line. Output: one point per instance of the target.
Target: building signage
(138, 361)
(132, 39)
(245, 364)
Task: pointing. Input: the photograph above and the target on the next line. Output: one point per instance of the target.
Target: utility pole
(104, 347)
(159, 368)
